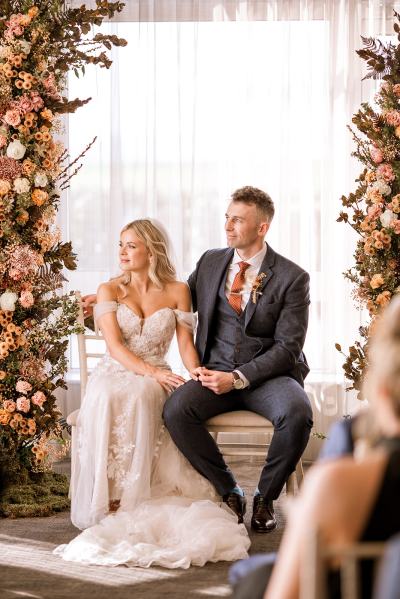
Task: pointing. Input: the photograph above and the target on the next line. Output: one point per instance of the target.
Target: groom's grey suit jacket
(277, 320)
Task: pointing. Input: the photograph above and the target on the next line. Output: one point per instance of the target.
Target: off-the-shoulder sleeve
(103, 308)
(186, 319)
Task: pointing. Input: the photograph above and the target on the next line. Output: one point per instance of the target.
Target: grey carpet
(28, 568)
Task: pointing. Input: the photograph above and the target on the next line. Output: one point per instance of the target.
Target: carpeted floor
(28, 568)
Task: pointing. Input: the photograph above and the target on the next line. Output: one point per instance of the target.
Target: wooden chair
(91, 347)
(314, 566)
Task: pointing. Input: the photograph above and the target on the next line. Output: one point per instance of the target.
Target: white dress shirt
(249, 278)
(249, 275)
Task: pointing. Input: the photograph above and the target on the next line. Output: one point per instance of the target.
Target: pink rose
(385, 172)
(396, 90)
(23, 387)
(38, 399)
(37, 102)
(25, 104)
(26, 299)
(9, 406)
(395, 224)
(376, 154)
(374, 211)
(392, 117)
(23, 404)
(12, 118)
(3, 141)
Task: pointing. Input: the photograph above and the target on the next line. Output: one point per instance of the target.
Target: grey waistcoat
(230, 347)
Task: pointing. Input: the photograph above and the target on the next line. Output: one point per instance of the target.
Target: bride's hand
(168, 380)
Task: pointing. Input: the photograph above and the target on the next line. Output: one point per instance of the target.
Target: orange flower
(28, 167)
(46, 114)
(23, 129)
(4, 187)
(377, 281)
(46, 136)
(19, 84)
(39, 196)
(38, 136)
(22, 217)
(3, 375)
(5, 417)
(33, 12)
(47, 164)
(383, 298)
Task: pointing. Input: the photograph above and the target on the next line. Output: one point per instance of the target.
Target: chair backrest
(387, 584)
(91, 347)
(316, 558)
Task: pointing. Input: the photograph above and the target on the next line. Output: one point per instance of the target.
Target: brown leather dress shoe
(237, 503)
(263, 519)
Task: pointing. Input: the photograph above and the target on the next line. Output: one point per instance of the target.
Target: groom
(252, 306)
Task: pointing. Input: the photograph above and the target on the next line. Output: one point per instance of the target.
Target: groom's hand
(215, 380)
(88, 302)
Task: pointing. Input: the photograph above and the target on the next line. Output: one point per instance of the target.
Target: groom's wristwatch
(237, 383)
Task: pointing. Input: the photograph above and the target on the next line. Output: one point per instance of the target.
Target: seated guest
(348, 499)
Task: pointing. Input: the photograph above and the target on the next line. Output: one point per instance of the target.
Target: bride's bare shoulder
(108, 291)
(180, 293)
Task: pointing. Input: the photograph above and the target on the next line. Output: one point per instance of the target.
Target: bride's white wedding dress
(169, 514)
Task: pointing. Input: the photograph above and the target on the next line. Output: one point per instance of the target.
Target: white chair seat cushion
(239, 418)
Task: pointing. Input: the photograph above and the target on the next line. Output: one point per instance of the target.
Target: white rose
(3, 51)
(16, 150)
(382, 187)
(7, 301)
(24, 46)
(21, 185)
(386, 218)
(41, 180)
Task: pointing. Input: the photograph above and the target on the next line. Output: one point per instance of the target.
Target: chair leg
(291, 484)
(295, 478)
(299, 473)
(73, 453)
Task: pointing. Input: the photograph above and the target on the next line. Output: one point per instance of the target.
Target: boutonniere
(256, 286)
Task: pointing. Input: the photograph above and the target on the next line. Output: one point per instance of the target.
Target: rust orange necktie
(235, 297)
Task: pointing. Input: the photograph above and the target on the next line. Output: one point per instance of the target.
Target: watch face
(238, 384)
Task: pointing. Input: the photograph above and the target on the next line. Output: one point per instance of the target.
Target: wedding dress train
(169, 514)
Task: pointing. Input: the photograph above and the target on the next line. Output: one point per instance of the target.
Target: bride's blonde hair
(161, 269)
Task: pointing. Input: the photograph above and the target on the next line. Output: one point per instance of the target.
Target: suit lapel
(217, 271)
(266, 268)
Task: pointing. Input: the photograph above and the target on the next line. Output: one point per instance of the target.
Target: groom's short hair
(252, 195)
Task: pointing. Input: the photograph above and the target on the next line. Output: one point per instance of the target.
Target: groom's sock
(238, 490)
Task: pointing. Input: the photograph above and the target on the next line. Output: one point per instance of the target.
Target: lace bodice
(148, 338)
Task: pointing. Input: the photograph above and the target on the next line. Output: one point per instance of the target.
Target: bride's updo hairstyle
(384, 357)
(161, 270)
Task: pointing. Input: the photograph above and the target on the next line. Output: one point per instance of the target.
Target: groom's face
(242, 226)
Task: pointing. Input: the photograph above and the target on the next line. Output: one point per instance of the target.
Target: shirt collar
(254, 261)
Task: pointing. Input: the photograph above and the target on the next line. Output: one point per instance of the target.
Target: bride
(138, 498)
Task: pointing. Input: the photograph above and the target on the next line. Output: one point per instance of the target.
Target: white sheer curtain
(210, 96)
